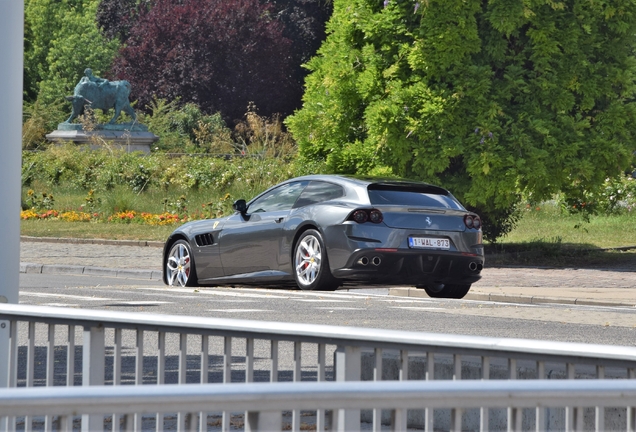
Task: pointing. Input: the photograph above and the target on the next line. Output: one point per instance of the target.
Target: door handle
(279, 220)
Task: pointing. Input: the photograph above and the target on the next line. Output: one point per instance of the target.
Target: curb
(33, 268)
(420, 293)
(144, 243)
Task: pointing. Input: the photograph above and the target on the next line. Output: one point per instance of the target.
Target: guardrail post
(348, 368)
(541, 418)
(93, 354)
(631, 410)
(484, 413)
(263, 421)
(258, 420)
(227, 378)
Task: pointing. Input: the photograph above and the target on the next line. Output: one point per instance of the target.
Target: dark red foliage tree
(305, 22)
(115, 17)
(218, 54)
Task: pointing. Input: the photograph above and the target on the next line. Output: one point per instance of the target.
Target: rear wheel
(179, 265)
(311, 265)
(453, 291)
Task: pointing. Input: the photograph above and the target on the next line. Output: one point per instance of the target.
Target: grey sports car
(321, 231)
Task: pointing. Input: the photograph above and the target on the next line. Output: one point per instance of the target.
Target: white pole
(11, 67)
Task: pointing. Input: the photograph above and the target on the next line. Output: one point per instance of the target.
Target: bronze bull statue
(99, 93)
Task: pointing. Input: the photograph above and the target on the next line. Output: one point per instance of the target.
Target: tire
(451, 291)
(311, 265)
(179, 265)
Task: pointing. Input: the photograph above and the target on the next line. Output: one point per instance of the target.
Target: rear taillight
(472, 221)
(375, 216)
(360, 216)
(366, 215)
(476, 222)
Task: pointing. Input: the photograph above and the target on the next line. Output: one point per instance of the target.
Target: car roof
(365, 181)
(356, 187)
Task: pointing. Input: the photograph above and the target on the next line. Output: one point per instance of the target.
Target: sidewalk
(133, 259)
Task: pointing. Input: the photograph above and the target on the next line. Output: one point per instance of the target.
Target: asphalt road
(359, 307)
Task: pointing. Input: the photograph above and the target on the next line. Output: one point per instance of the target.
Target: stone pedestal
(130, 137)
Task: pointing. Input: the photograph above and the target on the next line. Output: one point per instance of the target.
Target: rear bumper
(411, 267)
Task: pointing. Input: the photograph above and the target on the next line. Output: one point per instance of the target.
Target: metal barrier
(116, 347)
(259, 399)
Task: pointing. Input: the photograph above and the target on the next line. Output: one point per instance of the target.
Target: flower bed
(121, 217)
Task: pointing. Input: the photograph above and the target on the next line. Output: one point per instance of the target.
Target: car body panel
(252, 243)
(258, 247)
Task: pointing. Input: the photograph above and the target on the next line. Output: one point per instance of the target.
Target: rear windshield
(434, 197)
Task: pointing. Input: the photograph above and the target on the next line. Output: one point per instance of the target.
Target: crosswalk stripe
(216, 293)
(322, 300)
(68, 296)
(142, 302)
(239, 310)
(60, 304)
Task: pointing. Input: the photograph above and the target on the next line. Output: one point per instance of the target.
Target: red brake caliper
(306, 264)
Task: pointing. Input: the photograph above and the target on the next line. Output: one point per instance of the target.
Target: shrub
(120, 200)
(40, 119)
(263, 136)
(118, 179)
(186, 129)
(616, 195)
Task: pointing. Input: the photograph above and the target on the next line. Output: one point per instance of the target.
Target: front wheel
(311, 265)
(452, 291)
(179, 265)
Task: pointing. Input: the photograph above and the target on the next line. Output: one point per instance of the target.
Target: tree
(116, 17)
(496, 100)
(304, 24)
(62, 40)
(218, 54)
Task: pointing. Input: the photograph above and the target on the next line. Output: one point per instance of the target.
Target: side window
(281, 198)
(318, 191)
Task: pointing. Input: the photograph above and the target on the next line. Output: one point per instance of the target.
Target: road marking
(324, 294)
(239, 310)
(216, 293)
(322, 300)
(231, 300)
(340, 308)
(392, 300)
(416, 308)
(68, 296)
(144, 303)
(60, 304)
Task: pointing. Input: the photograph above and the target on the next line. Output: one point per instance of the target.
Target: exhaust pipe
(472, 266)
(363, 261)
(376, 261)
(480, 267)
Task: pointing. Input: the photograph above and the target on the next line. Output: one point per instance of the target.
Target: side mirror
(240, 206)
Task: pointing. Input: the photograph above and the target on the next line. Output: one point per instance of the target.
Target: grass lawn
(546, 237)
(548, 224)
(111, 231)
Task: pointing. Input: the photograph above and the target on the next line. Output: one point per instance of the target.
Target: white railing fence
(189, 400)
(59, 348)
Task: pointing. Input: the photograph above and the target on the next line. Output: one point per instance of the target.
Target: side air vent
(204, 239)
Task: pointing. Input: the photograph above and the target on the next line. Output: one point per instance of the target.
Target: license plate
(429, 243)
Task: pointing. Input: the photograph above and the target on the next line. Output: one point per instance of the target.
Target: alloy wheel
(178, 265)
(308, 260)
